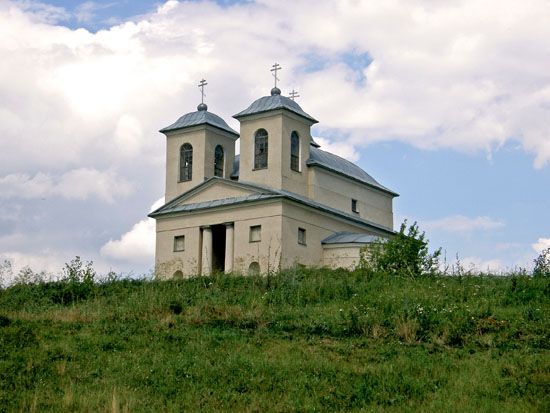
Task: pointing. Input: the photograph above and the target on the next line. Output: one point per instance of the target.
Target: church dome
(200, 117)
(273, 102)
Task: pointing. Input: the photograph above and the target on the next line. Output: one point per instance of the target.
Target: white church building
(283, 201)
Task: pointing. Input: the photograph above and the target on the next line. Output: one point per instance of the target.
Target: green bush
(405, 253)
(542, 264)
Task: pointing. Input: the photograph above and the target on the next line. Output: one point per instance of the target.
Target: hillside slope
(304, 340)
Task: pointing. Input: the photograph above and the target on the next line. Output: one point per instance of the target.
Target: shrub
(405, 253)
(542, 264)
(77, 283)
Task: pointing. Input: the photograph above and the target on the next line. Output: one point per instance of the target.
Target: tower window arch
(260, 149)
(218, 161)
(295, 151)
(186, 162)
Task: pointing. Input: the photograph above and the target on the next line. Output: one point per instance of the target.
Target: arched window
(294, 151)
(218, 161)
(260, 149)
(186, 162)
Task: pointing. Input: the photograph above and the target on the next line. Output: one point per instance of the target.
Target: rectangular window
(179, 243)
(301, 236)
(255, 233)
(354, 205)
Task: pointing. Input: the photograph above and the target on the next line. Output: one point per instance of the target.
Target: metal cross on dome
(201, 85)
(294, 94)
(274, 69)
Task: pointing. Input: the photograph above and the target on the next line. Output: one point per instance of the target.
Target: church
(283, 201)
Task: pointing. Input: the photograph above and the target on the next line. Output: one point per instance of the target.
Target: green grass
(304, 340)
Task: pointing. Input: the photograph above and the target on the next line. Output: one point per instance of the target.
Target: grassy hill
(304, 340)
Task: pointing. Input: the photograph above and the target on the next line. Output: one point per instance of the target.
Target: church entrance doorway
(218, 248)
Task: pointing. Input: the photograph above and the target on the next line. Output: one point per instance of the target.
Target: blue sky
(445, 103)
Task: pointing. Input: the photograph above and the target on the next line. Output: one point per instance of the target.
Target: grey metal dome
(273, 102)
(200, 117)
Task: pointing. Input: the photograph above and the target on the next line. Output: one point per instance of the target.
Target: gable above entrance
(212, 193)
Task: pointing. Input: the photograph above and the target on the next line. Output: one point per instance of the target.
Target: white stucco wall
(342, 256)
(318, 226)
(267, 252)
(279, 126)
(337, 191)
(204, 139)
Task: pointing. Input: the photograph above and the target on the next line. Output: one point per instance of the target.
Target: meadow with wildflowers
(301, 340)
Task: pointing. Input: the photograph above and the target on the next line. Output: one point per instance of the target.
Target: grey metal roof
(267, 103)
(342, 166)
(349, 238)
(200, 117)
(333, 163)
(211, 204)
(236, 167)
(262, 193)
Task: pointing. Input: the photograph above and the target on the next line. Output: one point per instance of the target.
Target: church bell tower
(275, 141)
(199, 145)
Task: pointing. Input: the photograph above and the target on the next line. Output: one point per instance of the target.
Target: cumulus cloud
(541, 245)
(43, 12)
(463, 224)
(46, 260)
(78, 184)
(479, 264)
(136, 245)
(343, 149)
(466, 75)
(86, 12)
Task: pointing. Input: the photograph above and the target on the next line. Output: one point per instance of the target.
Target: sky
(445, 102)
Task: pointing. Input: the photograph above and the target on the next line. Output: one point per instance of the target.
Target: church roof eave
(261, 193)
(346, 237)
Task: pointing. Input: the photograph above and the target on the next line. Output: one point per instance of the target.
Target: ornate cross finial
(274, 69)
(294, 94)
(201, 85)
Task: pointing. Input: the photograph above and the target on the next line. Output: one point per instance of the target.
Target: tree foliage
(542, 264)
(406, 253)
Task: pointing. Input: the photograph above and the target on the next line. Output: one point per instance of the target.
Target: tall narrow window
(295, 152)
(218, 161)
(301, 236)
(354, 205)
(186, 162)
(260, 149)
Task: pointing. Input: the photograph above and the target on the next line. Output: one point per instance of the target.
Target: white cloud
(79, 184)
(40, 262)
(479, 264)
(85, 12)
(541, 245)
(128, 135)
(136, 245)
(462, 224)
(464, 75)
(343, 149)
(43, 12)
